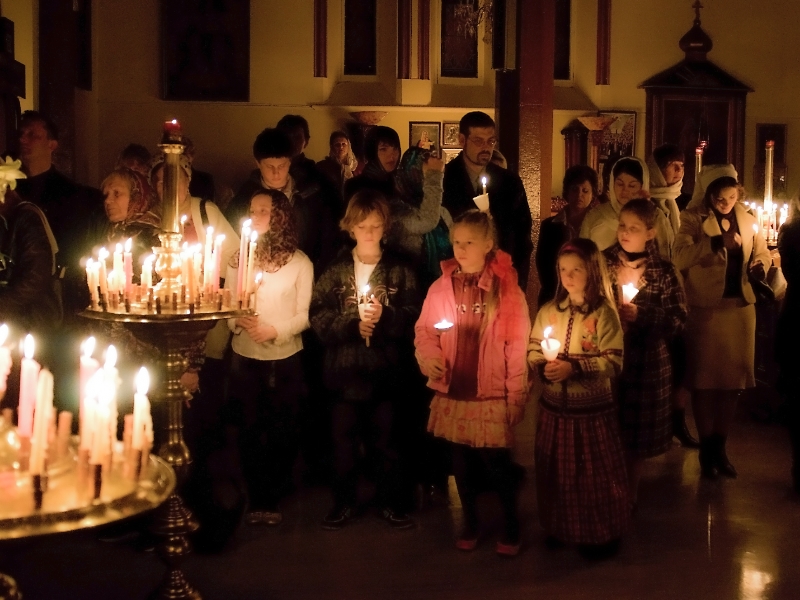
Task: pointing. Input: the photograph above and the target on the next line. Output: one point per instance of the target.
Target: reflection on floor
(720, 540)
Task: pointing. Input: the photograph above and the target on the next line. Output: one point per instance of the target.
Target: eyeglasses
(483, 143)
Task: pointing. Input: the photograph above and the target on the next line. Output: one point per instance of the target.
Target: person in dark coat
(788, 331)
(581, 190)
(382, 152)
(202, 183)
(508, 202)
(316, 230)
(340, 166)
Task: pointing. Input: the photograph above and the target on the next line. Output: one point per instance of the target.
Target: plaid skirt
(581, 480)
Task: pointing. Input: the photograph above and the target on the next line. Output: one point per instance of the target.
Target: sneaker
(337, 518)
(263, 517)
(467, 541)
(397, 520)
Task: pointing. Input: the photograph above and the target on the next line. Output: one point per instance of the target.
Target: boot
(681, 431)
(724, 466)
(708, 468)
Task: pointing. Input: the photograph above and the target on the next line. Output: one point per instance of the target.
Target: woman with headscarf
(718, 250)
(629, 179)
(666, 166)
(131, 208)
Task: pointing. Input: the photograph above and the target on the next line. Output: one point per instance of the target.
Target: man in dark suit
(508, 203)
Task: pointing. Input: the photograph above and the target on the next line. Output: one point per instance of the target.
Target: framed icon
(425, 134)
(450, 134)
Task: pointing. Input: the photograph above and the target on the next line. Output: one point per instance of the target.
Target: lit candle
(550, 347)
(251, 257)
(217, 261)
(191, 282)
(92, 281)
(88, 367)
(363, 306)
(483, 182)
(443, 325)
(183, 224)
(102, 276)
(147, 273)
(118, 271)
(208, 265)
(242, 270)
(88, 419)
(128, 267)
(41, 421)
(5, 360)
(29, 373)
(101, 440)
(172, 132)
(259, 277)
(141, 409)
(629, 292)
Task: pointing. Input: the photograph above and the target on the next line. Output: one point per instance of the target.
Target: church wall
(25, 15)
(752, 41)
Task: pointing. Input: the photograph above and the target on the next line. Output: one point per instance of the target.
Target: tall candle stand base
(174, 334)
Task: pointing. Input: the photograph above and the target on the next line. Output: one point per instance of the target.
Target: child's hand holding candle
(366, 312)
(550, 347)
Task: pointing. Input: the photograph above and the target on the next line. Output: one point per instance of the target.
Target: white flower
(10, 172)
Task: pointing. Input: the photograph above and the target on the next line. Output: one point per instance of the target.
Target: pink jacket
(502, 364)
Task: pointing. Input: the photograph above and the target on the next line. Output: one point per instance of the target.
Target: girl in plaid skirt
(581, 480)
(652, 317)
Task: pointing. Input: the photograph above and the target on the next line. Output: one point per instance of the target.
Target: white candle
(483, 181)
(198, 263)
(259, 277)
(443, 325)
(208, 265)
(112, 380)
(141, 409)
(91, 281)
(88, 367)
(242, 270)
(101, 440)
(41, 421)
(550, 347)
(217, 261)
(118, 269)
(29, 374)
(629, 292)
(102, 276)
(88, 420)
(128, 266)
(147, 273)
(191, 282)
(251, 256)
(363, 305)
(5, 360)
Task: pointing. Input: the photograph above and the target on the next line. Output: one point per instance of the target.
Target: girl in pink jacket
(471, 343)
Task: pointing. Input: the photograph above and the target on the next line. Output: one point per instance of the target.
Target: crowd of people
(393, 343)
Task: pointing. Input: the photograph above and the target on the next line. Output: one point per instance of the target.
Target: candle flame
(259, 275)
(174, 121)
(128, 245)
(443, 325)
(629, 292)
(220, 238)
(483, 180)
(87, 346)
(3, 333)
(254, 237)
(119, 248)
(89, 263)
(183, 219)
(111, 357)
(365, 289)
(142, 382)
(247, 224)
(28, 346)
(103, 253)
(547, 332)
(755, 228)
(150, 259)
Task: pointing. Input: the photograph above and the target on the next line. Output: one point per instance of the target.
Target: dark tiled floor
(711, 541)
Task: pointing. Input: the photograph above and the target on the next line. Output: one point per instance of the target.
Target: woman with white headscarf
(629, 179)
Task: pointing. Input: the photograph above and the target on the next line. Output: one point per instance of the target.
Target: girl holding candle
(579, 455)
(651, 319)
(477, 370)
(266, 377)
(365, 381)
(719, 252)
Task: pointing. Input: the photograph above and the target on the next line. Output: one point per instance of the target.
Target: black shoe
(680, 431)
(396, 519)
(338, 518)
(724, 466)
(708, 467)
(599, 551)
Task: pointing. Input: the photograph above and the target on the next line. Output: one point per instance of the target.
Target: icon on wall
(449, 154)
(450, 135)
(425, 135)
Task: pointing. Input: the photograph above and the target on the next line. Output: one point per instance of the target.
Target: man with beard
(508, 203)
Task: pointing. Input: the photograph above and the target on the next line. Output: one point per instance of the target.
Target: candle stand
(173, 326)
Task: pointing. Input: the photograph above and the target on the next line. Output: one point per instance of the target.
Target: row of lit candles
(770, 216)
(98, 415)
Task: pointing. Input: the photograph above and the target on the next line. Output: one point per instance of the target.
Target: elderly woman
(132, 212)
(580, 190)
(718, 250)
